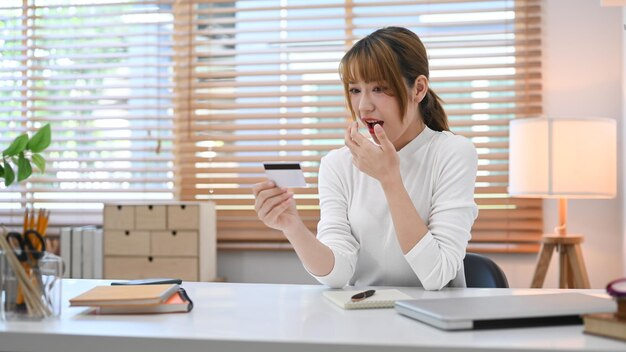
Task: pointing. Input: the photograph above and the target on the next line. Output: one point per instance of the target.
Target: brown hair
(395, 56)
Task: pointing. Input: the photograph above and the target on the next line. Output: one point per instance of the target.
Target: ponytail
(432, 112)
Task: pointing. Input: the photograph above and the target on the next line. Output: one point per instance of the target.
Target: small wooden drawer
(119, 217)
(150, 267)
(118, 242)
(174, 242)
(150, 217)
(183, 217)
(125, 268)
(177, 267)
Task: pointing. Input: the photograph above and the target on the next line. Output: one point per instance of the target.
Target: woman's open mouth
(370, 125)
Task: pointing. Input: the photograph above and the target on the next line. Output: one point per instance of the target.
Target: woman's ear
(420, 88)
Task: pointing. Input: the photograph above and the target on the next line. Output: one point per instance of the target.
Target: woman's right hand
(275, 206)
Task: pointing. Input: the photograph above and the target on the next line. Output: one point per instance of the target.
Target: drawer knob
(150, 259)
(127, 233)
(119, 207)
(150, 207)
(173, 233)
(183, 206)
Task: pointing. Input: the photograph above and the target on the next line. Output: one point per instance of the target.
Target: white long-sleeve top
(439, 172)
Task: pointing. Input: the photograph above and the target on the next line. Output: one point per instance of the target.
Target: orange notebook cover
(178, 302)
(124, 295)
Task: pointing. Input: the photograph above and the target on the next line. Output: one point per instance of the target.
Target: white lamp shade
(563, 158)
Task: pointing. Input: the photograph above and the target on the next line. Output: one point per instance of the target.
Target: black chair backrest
(480, 271)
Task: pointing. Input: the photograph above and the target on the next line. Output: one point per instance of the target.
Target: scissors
(31, 247)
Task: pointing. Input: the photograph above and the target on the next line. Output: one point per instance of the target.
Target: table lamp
(565, 159)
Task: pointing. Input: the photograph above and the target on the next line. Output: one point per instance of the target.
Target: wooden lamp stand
(572, 271)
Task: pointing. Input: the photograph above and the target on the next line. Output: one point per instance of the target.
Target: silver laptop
(463, 313)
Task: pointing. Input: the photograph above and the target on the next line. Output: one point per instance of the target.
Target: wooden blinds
(183, 99)
(257, 81)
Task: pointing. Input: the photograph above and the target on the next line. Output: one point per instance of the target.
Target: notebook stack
(134, 299)
(608, 325)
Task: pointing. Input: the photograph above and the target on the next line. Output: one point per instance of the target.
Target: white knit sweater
(439, 172)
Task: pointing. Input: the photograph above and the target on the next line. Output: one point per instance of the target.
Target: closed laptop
(463, 313)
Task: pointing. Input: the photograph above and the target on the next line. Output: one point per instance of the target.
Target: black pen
(363, 295)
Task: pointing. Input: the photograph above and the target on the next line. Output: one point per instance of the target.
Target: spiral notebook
(380, 299)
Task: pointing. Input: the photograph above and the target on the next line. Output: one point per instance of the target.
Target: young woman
(396, 209)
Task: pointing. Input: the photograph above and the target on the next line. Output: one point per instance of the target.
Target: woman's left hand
(378, 161)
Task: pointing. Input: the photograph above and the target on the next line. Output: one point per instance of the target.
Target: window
(185, 99)
(100, 73)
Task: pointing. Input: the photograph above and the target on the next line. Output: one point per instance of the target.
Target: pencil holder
(30, 292)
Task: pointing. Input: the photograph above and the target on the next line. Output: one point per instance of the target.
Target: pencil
(44, 226)
(31, 221)
(39, 220)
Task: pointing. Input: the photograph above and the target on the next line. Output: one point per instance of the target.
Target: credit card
(285, 174)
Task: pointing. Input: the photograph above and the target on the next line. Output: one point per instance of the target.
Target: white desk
(253, 317)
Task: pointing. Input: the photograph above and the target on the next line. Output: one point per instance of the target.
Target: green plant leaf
(9, 175)
(1, 171)
(23, 168)
(18, 145)
(39, 162)
(41, 139)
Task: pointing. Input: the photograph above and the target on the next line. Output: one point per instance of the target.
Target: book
(98, 255)
(77, 253)
(124, 295)
(66, 251)
(608, 325)
(381, 299)
(178, 302)
(86, 253)
(621, 307)
(92, 252)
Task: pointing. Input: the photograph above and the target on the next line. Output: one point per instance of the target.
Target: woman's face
(373, 106)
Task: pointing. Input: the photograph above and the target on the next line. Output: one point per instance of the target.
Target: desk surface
(255, 317)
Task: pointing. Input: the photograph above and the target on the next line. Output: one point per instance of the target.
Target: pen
(363, 295)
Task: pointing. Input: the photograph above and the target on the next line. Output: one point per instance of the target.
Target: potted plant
(22, 154)
(30, 291)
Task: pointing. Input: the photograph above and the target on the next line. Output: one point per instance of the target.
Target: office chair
(481, 271)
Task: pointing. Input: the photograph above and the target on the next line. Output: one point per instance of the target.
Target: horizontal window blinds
(258, 82)
(100, 73)
(165, 99)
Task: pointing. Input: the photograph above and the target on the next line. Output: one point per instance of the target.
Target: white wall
(622, 158)
(583, 67)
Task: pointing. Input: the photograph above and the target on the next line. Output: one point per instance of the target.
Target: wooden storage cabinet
(160, 240)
